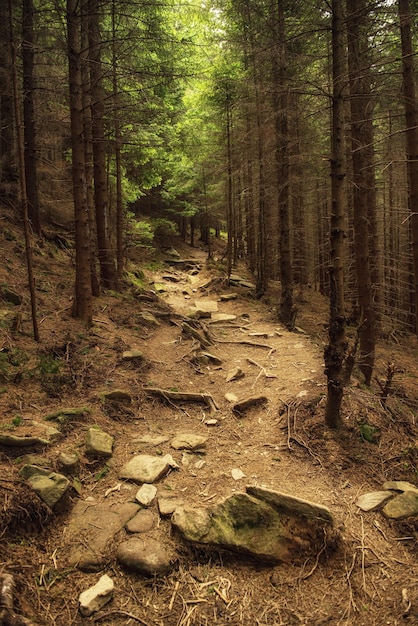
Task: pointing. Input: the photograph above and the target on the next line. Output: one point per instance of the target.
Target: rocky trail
(186, 472)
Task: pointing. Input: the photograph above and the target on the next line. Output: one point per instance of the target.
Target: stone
(402, 506)
(91, 529)
(248, 403)
(94, 598)
(225, 297)
(372, 500)
(188, 441)
(172, 253)
(49, 486)
(273, 528)
(98, 443)
(234, 374)
(210, 357)
(237, 474)
(146, 494)
(117, 395)
(247, 284)
(160, 288)
(149, 319)
(69, 463)
(15, 441)
(231, 397)
(151, 440)
(195, 313)
(145, 556)
(145, 468)
(133, 355)
(193, 280)
(167, 506)
(212, 422)
(400, 485)
(37, 460)
(210, 306)
(66, 414)
(217, 318)
(143, 522)
(51, 433)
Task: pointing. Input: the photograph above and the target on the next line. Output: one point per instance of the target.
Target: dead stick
(124, 613)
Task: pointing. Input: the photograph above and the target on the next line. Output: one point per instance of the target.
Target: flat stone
(292, 505)
(145, 468)
(94, 598)
(98, 443)
(118, 395)
(264, 530)
(372, 500)
(133, 355)
(216, 318)
(15, 441)
(151, 440)
(198, 314)
(248, 403)
(167, 506)
(237, 474)
(146, 494)
(188, 441)
(149, 319)
(402, 506)
(49, 486)
(234, 374)
(160, 288)
(193, 280)
(225, 297)
(145, 556)
(36, 459)
(400, 485)
(143, 522)
(91, 529)
(231, 397)
(51, 433)
(211, 357)
(210, 306)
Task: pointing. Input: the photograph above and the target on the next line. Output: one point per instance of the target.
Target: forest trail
(279, 443)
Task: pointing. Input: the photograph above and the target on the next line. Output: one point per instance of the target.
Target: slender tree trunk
(83, 298)
(411, 115)
(229, 200)
(7, 140)
(120, 215)
(336, 350)
(287, 311)
(101, 199)
(362, 177)
(23, 192)
(31, 167)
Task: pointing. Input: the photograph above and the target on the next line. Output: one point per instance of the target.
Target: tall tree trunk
(7, 140)
(31, 167)
(362, 177)
(287, 311)
(101, 199)
(24, 196)
(120, 216)
(83, 298)
(336, 350)
(411, 115)
(229, 200)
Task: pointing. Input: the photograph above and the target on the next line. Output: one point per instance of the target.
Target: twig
(176, 587)
(246, 342)
(99, 618)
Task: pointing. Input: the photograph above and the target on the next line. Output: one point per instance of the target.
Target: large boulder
(267, 525)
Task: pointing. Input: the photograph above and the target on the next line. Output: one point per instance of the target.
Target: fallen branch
(246, 342)
(184, 396)
(262, 371)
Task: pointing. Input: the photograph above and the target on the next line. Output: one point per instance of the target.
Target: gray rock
(195, 313)
(94, 598)
(69, 463)
(51, 433)
(117, 395)
(372, 500)
(145, 468)
(14, 441)
(234, 374)
(274, 531)
(145, 556)
(402, 506)
(151, 440)
(172, 253)
(216, 318)
(188, 441)
(146, 494)
(91, 529)
(133, 355)
(49, 486)
(36, 459)
(400, 485)
(98, 443)
(149, 319)
(167, 506)
(143, 522)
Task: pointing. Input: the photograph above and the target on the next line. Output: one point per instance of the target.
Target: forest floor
(369, 577)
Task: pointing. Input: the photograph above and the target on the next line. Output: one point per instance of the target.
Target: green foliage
(369, 433)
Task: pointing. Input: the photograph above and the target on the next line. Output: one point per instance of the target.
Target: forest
(268, 148)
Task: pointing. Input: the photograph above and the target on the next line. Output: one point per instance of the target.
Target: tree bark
(83, 298)
(335, 351)
(411, 134)
(101, 199)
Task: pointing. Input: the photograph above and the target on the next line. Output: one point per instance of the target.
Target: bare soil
(368, 577)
